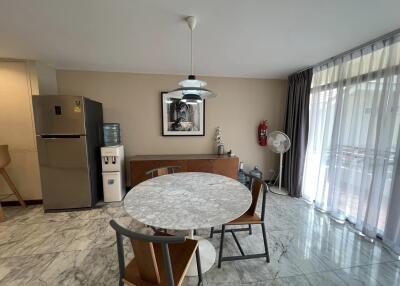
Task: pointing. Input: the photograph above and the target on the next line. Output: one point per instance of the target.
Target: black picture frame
(164, 130)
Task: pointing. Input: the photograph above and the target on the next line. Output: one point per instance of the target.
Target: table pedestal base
(207, 257)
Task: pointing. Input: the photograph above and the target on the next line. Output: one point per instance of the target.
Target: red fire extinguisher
(262, 133)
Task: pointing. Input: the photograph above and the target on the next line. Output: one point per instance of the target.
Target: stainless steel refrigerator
(69, 134)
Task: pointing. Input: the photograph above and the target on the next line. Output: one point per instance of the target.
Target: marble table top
(185, 201)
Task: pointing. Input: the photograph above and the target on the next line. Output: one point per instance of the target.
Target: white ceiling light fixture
(192, 90)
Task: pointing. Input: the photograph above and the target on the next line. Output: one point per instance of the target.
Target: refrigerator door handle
(59, 136)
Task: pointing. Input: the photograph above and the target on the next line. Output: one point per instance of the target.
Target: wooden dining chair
(160, 259)
(5, 159)
(162, 171)
(249, 218)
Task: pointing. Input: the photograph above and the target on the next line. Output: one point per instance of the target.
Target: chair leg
(250, 231)
(3, 172)
(265, 241)
(212, 232)
(199, 274)
(121, 259)
(2, 215)
(221, 246)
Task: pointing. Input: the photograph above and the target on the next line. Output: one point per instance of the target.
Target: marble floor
(78, 248)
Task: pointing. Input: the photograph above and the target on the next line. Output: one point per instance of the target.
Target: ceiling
(260, 39)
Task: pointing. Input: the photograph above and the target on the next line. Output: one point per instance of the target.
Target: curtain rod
(381, 38)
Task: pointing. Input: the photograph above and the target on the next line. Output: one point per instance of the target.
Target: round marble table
(189, 201)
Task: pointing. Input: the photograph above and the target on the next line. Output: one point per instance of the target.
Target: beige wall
(17, 84)
(133, 100)
(46, 79)
(19, 80)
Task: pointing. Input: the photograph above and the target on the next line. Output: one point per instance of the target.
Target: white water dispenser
(113, 166)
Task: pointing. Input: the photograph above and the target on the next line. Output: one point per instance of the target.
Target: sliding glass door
(353, 145)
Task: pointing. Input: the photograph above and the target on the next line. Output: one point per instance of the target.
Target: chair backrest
(5, 158)
(257, 186)
(143, 250)
(147, 263)
(162, 171)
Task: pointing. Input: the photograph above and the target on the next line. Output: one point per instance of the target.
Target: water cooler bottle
(113, 166)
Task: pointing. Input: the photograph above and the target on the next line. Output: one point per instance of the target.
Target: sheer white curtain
(353, 143)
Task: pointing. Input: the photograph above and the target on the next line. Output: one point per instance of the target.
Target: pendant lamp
(191, 90)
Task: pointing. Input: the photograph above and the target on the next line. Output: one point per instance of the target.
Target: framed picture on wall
(181, 119)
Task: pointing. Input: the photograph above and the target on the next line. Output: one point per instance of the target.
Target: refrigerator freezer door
(60, 115)
(64, 172)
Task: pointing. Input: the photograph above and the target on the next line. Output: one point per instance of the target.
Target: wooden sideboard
(222, 165)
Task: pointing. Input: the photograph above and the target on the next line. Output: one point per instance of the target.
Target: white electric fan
(278, 142)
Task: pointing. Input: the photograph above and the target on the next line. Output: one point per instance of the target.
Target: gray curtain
(296, 127)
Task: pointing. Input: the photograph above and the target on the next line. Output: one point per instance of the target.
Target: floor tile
(329, 278)
(359, 275)
(23, 270)
(299, 280)
(78, 248)
(386, 273)
(87, 267)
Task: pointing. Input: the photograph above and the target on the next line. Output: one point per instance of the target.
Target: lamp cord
(191, 51)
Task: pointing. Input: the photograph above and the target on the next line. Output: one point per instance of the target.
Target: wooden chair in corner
(249, 218)
(162, 171)
(5, 159)
(161, 260)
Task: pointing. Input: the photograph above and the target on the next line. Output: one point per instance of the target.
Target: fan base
(276, 190)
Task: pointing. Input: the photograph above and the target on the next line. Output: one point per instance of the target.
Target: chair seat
(246, 219)
(181, 256)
